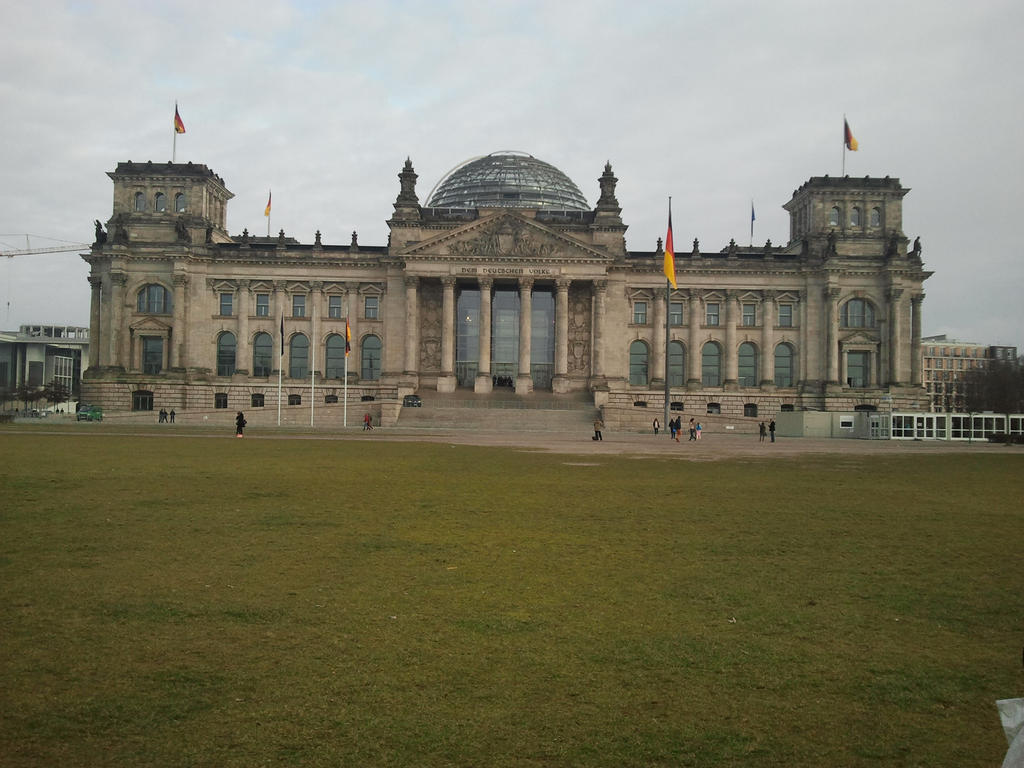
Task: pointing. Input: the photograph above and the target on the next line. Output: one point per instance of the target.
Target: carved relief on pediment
(505, 238)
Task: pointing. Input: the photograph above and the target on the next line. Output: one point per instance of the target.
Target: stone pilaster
(560, 382)
(915, 339)
(118, 336)
(446, 381)
(600, 289)
(768, 340)
(832, 348)
(412, 326)
(484, 383)
(316, 355)
(658, 361)
(282, 310)
(693, 352)
(243, 299)
(895, 341)
(524, 379)
(732, 360)
(95, 326)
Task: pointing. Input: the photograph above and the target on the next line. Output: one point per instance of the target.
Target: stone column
(118, 335)
(484, 383)
(446, 381)
(524, 381)
(352, 310)
(693, 353)
(600, 288)
(95, 327)
(832, 350)
(412, 327)
(895, 341)
(242, 356)
(658, 361)
(804, 347)
(560, 383)
(732, 360)
(316, 354)
(915, 339)
(768, 340)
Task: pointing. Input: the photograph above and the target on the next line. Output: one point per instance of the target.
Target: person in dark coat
(239, 424)
(771, 429)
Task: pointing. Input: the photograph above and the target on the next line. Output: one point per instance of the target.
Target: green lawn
(201, 601)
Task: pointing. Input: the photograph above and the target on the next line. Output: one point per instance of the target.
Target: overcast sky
(713, 103)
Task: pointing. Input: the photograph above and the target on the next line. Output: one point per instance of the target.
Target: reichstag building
(504, 282)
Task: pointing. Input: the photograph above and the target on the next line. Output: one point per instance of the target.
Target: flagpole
(280, 367)
(668, 326)
(752, 222)
(312, 369)
(174, 144)
(843, 172)
(344, 411)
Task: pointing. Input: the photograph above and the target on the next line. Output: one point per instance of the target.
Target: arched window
(335, 368)
(160, 202)
(370, 358)
(784, 365)
(140, 204)
(748, 365)
(179, 203)
(855, 217)
(638, 364)
(226, 354)
(154, 299)
(298, 356)
(833, 216)
(676, 364)
(262, 354)
(876, 217)
(858, 313)
(711, 365)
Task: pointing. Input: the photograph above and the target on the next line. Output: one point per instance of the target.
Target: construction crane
(65, 247)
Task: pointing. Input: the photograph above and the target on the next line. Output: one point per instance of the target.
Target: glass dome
(507, 180)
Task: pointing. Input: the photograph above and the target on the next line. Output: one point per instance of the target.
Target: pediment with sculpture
(506, 236)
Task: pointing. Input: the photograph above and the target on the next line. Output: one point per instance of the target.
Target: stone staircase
(501, 411)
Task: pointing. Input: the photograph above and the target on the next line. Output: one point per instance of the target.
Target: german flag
(266, 211)
(348, 338)
(851, 143)
(179, 126)
(670, 257)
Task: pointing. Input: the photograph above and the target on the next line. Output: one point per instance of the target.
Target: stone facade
(185, 315)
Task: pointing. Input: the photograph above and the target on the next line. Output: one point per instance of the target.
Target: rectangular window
(370, 306)
(152, 354)
(749, 315)
(225, 304)
(220, 400)
(334, 307)
(857, 369)
(640, 312)
(785, 315)
(262, 305)
(299, 305)
(675, 313)
(711, 316)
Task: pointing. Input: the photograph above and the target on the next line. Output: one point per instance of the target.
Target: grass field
(199, 601)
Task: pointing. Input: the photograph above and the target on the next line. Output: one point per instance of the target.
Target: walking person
(679, 427)
(657, 426)
(367, 423)
(771, 428)
(762, 432)
(239, 424)
(171, 415)
(693, 430)
(699, 428)
(671, 429)
(598, 426)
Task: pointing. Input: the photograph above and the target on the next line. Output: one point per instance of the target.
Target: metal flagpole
(280, 366)
(843, 173)
(174, 144)
(312, 369)
(668, 324)
(344, 411)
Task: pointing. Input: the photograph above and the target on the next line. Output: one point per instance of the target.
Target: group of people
(675, 427)
(763, 432)
(166, 417)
